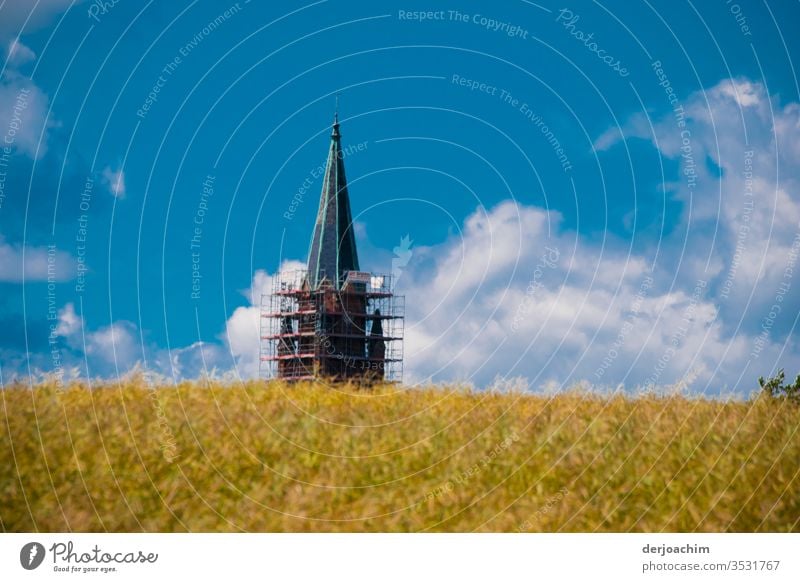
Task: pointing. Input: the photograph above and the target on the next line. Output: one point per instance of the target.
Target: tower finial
(335, 132)
(336, 112)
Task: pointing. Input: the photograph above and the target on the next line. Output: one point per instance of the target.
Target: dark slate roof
(333, 245)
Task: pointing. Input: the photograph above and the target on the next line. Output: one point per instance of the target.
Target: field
(258, 457)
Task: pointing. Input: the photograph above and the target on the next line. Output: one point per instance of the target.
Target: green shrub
(775, 388)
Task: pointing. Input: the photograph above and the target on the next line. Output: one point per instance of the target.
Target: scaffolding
(353, 331)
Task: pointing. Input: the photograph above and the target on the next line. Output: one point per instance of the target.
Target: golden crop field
(273, 457)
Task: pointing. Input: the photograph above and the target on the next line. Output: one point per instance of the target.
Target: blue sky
(599, 192)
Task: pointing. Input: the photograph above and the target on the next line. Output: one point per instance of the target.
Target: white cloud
(69, 322)
(570, 313)
(749, 216)
(116, 349)
(20, 16)
(111, 348)
(18, 54)
(33, 263)
(242, 336)
(114, 181)
(472, 317)
(23, 105)
(745, 93)
(193, 361)
(23, 115)
(114, 344)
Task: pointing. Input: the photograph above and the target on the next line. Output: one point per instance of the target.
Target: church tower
(332, 321)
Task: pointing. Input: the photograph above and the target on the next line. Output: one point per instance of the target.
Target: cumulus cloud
(743, 92)
(111, 347)
(114, 344)
(193, 361)
(23, 115)
(715, 312)
(69, 322)
(740, 184)
(17, 54)
(117, 349)
(242, 336)
(18, 17)
(564, 311)
(24, 122)
(114, 181)
(33, 263)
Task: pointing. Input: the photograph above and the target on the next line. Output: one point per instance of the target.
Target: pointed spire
(333, 245)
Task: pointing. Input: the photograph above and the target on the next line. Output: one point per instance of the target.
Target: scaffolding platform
(350, 331)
